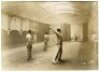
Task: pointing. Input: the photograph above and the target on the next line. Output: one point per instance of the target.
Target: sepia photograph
(49, 35)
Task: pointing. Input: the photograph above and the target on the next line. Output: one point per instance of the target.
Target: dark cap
(29, 31)
(59, 30)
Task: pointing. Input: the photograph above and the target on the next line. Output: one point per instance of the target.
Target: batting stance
(59, 45)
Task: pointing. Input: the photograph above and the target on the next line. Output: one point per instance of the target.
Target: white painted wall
(4, 21)
(93, 22)
(77, 30)
(25, 25)
(15, 23)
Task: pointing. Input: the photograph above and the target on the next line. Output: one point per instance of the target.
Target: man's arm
(53, 31)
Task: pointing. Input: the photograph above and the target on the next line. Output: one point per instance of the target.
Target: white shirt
(46, 37)
(59, 37)
(29, 38)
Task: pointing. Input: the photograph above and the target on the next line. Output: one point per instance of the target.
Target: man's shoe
(54, 61)
(60, 60)
(28, 59)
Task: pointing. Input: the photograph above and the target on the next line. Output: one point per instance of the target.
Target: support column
(9, 23)
(21, 24)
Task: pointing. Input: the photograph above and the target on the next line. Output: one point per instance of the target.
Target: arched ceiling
(50, 12)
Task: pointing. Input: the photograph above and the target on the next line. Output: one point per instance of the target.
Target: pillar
(9, 23)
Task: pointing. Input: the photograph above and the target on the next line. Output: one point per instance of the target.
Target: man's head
(58, 30)
(29, 31)
(46, 32)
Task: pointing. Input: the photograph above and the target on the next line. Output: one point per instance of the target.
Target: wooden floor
(76, 56)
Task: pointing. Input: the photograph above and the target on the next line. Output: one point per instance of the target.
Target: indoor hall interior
(77, 20)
